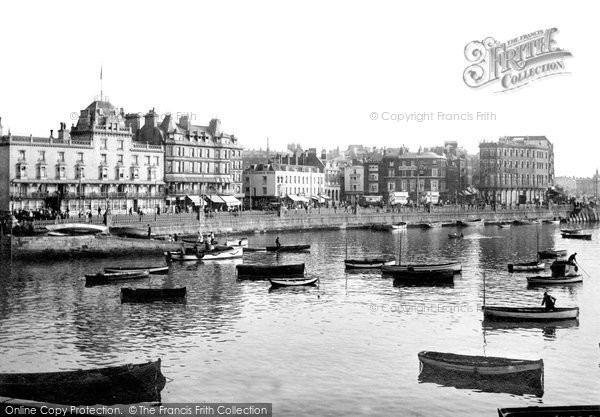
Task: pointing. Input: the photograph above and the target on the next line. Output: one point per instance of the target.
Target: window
(434, 172)
(147, 160)
(60, 172)
(80, 172)
(120, 145)
(391, 172)
(157, 161)
(403, 185)
(103, 156)
(120, 158)
(21, 155)
(41, 172)
(135, 159)
(373, 177)
(103, 173)
(421, 185)
(103, 144)
(373, 188)
(413, 185)
(121, 173)
(79, 156)
(434, 185)
(135, 174)
(61, 157)
(391, 186)
(264, 190)
(42, 156)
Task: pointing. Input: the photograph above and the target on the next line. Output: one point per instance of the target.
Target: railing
(68, 195)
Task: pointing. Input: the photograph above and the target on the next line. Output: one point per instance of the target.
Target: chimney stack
(51, 133)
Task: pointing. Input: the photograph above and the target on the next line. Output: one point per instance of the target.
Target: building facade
(94, 165)
(354, 182)
(516, 170)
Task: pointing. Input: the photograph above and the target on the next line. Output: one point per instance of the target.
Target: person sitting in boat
(548, 301)
(572, 259)
(207, 245)
(461, 235)
(277, 242)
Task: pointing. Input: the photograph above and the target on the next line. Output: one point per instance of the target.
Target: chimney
(215, 128)
(184, 121)
(323, 154)
(51, 133)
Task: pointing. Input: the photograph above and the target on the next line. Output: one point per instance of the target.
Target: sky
(309, 72)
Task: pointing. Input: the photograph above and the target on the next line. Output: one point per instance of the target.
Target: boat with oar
(581, 236)
(241, 242)
(423, 277)
(126, 384)
(157, 269)
(529, 313)
(225, 252)
(292, 282)
(249, 271)
(106, 277)
(481, 365)
(475, 222)
(551, 411)
(564, 269)
(399, 226)
(455, 267)
(73, 229)
(552, 253)
(527, 266)
(455, 236)
(552, 280)
(288, 248)
(140, 295)
(369, 263)
(181, 256)
(496, 384)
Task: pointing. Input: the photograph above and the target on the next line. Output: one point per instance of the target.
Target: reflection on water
(356, 333)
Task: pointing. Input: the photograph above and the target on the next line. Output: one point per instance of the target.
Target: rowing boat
(126, 384)
(162, 269)
(399, 225)
(527, 266)
(105, 277)
(431, 225)
(152, 294)
(130, 232)
(255, 249)
(454, 266)
(292, 282)
(180, 256)
(76, 228)
(475, 222)
(529, 313)
(551, 411)
(479, 365)
(263, 271)
(564, 269)
(288, 248)
(554, 221)
(237, 242)
(455, 236)
(581, 236)
(504, 225)
(549, 280)
(226, 253)
(369, 263)
(552, 254)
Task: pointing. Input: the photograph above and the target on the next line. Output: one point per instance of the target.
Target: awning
(215, 199)
(195, 199)
(231, 200)
(325, 197)
(293, 197)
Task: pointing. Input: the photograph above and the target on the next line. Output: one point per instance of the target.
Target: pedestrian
(175, 238)
(548, 301)
(572, 259)
(130, 211)
(149, 231)
(277, 242)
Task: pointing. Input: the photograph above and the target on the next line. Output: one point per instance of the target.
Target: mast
(484, 290)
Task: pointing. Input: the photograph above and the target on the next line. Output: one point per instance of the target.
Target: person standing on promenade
(149, 231)
(277, 242)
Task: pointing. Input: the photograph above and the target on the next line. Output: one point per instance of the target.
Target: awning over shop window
(325, 197)
(297, 198)
(231, 200)
(195, 199)
(215, 199)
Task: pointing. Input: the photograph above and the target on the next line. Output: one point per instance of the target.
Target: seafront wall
(45, 247)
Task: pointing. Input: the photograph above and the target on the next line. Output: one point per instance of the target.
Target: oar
(577, 263)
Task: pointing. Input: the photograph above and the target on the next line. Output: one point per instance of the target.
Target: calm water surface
(347, 347)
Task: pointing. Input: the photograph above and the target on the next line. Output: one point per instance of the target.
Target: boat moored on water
(480, 365)
(399, 226)
(529, 313)
(288, 248)
(579, 235)
(552, 253)
(430, 225)
(159, 269)
(475, 222)
(455, 236)
(551, 411)
(126, 384)
(455, 267)
(564, 269)
(105, 278)
(181, 256)
(292, 282)
(249, 271)
(551, 221)
(241, 242)
(140, 295)
(369, 263)
(222, 253)
(504, 225)
(550, 280)
(72, 229)
(527, 266)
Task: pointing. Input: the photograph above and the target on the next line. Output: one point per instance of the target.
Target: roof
(97, 104)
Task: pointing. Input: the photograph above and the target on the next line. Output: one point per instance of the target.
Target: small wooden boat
(399, 225)
(369, 263)
(130, 232)
(180, 256)
(456, 267)
(476, 222)
(255, 249)
(582, 236)
(564, 269)
(549, 280)
(76, 229)
(455, 236)
(480, 365)
(553, 221)
(552, 254)
(551, 411)
(527, 266)
(529, 313)
(293, 282)
(288, 248)
(263, 271)
(572, 231)
(160, 269)
(504, 225)
(105, 278)
(523, 222)
(222, 253)
(242, 242)
(126, 384)
(424, 276)
(152, 294)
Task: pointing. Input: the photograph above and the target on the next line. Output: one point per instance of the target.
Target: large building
(95, 164)
(201, 162)
(516, 170)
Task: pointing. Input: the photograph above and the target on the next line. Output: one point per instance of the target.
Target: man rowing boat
(548, 301)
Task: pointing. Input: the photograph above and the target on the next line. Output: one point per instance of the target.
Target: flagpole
(101, 85)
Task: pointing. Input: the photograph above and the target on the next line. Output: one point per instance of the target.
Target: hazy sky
(307, 72)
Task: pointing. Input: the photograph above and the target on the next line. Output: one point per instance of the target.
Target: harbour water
(346, 347)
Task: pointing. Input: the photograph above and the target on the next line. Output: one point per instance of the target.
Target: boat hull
(552, 254)
(243, 242)
(294, 248)
(76, 229)
(480, 365)
(368, 263)
(151, 269)
(456, 267)
(580, 236)
(554, 280)
(527, 267)
(551, 411)
(529, 314)
(127, 384)
(263, 271)
(424, 277)
(178, 256)
(230, 253)
(292, 282)
(106, 278)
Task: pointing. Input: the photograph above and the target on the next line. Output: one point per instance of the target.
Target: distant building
(354, 182)
(516, 169)
(580, 186)
(96, 164)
